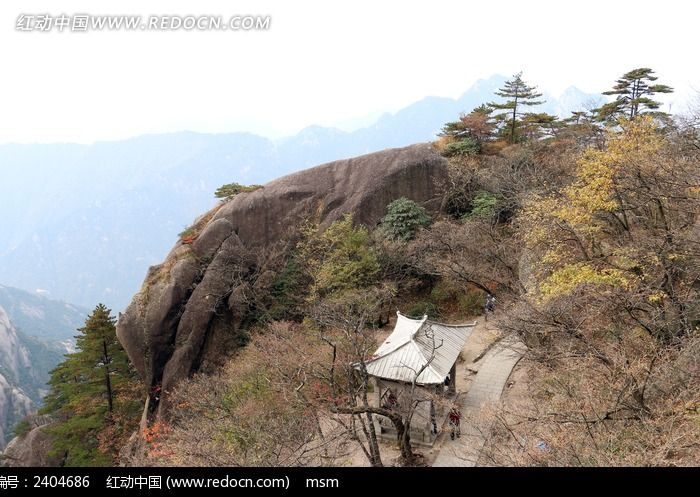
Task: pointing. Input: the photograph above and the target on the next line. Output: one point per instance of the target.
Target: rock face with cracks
(33, 449)
(177, 315)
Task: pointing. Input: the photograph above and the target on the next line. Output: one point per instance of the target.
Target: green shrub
(471, 303)
(420, 309)
(22, 428)
(463, 147)
(404, 218)
(287, 292)
(349, 262)
(441, 293)
(483, 205)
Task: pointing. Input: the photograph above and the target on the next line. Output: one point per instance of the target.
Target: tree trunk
(512, 124)
(108, 380)
(375, 455)
(404, 436)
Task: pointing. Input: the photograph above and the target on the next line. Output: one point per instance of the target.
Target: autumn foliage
(589, 236)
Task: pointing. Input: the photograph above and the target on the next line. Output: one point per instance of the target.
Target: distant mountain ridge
(41, 317)
(86, 221)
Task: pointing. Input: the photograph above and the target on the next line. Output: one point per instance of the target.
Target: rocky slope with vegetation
(251, 338)
(35, 333)
(202, 295)
(142, 191)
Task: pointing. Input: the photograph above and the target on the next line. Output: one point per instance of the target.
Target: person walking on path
(455, 418)
(490, 306)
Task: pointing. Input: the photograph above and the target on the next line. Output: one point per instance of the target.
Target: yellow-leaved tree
(611, 312)
(580, 233)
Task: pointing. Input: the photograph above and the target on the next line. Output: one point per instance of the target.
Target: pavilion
(419, 353)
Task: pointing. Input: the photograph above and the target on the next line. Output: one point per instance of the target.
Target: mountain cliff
(15, 366)
(35, 333)
(191, 304)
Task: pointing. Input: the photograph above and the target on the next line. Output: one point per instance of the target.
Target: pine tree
(94, 395)
(517, 94)
(538, 124)
(404, 218)
(583, 126)
(579, 117)
(230, 190)
(634, 93)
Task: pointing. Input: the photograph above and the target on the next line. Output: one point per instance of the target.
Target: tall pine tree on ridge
(517, 94)
(634, 93)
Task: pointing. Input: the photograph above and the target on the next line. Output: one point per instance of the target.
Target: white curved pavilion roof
(417, 344)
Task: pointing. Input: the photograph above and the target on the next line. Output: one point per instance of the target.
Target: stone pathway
(484, 392)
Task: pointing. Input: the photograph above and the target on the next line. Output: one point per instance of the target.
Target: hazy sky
(321, 62)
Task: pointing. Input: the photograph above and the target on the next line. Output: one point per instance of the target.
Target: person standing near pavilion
(455, 419)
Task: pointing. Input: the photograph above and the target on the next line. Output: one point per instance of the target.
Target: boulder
(32, 449)
(166, 326)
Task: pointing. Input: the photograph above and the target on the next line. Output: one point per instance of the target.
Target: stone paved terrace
(485, 391)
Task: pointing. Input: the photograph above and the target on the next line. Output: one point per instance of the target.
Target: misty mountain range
(84, 222)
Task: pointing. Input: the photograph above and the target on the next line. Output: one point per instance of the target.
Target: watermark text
(86, 22)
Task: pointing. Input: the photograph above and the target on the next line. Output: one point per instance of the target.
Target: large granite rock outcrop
(174, 317)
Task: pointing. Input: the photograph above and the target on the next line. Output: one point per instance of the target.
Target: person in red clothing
(455, 418)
